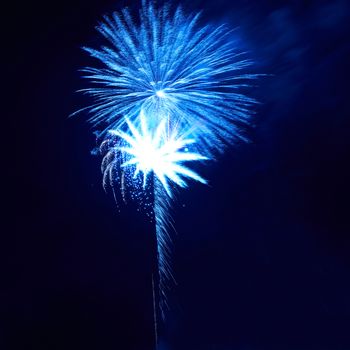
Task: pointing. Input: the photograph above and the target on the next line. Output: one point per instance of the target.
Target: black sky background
(261, 256)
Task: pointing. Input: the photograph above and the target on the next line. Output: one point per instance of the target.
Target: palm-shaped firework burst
(167, 94)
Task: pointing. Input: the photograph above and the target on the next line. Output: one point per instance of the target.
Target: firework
(167, 95)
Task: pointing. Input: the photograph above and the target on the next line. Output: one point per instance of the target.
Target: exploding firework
(158, 151)
(168, 93)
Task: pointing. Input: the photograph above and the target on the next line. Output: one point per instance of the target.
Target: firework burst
(167, 93)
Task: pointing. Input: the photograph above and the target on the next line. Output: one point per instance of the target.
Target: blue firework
(167, 93)
(169, 65)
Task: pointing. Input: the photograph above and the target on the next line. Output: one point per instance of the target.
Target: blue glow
(170, 66)
(168, 93)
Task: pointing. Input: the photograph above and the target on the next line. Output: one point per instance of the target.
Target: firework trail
(167, 94)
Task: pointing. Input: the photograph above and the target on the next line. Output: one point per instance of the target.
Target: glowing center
(159, 151)
(160, 93)
(150, 157)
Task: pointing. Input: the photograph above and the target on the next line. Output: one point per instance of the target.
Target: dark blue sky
(261, 256)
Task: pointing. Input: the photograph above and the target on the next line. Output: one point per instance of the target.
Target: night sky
(261, 255)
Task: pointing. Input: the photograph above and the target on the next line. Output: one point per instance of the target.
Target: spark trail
(167, 94)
